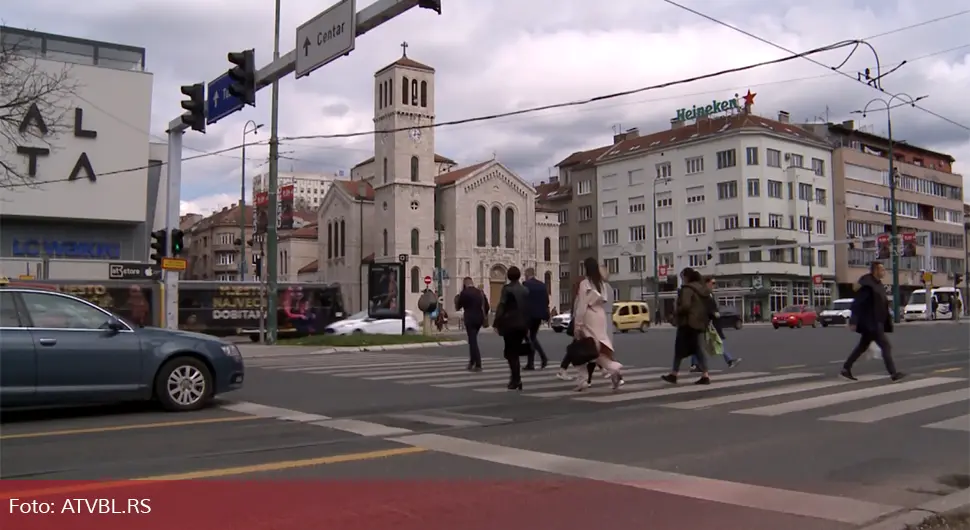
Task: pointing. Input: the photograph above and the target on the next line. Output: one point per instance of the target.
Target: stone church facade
(409, 200)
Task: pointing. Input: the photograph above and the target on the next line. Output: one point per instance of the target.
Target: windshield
(918, 298)
(842, 306)
(357, 316)
(791, 309)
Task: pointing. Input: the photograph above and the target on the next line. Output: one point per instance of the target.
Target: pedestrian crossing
(944, 401)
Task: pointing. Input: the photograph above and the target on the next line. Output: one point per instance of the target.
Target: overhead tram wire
(836, 69)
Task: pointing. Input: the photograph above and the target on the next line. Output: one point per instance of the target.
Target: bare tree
(35, 102)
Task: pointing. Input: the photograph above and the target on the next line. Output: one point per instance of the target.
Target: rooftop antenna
(617, 128)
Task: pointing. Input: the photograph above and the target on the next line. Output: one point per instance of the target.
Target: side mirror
(115, 325)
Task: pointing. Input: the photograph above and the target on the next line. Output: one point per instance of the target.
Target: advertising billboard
(386, 291)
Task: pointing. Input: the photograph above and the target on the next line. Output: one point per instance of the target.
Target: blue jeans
(727, 357)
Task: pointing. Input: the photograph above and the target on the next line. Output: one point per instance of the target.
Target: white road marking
(901, 408)
(744, 379)
(761, 394)
(960, 423)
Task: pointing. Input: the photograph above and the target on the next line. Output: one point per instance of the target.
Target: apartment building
(739, 196)
(929, 203)
(308, 188)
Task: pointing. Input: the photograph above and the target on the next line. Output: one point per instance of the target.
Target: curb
(350, 349)
(954, 502)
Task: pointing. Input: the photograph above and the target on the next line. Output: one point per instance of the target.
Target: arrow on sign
(306, 47)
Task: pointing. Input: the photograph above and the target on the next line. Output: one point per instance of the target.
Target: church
(478, 220)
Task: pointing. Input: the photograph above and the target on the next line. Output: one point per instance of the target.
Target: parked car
(795, 316)
(560, 322)
(839, 313)
(730, 318)
(361, 323)
(631, 315)
(59, 349)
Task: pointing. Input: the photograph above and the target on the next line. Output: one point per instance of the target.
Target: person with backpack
(512, 323)
(691, 317)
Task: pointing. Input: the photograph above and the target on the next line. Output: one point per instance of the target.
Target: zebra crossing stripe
(761, 394)
(900, 408)
(844, 397)
(619, 397)
(960, 423)
(541, 379)
(652, 384)
(375, 368)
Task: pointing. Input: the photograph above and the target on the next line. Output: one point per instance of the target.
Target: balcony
(756, 235)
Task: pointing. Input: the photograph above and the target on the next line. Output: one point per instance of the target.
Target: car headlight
(232, 351)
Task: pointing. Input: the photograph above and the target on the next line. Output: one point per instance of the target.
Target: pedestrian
(872, 320)
(590, 318)
(715, 314)
(474, 307)
(691, 317)
(512, 323)
(538, 313)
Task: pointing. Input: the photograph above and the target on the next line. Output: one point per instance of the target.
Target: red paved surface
(397, 505)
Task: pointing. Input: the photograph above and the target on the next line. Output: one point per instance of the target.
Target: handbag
(582, 351)
(713, 344)
(571, 329)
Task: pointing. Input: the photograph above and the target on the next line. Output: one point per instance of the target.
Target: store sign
(715, 107)
(36, 248)
(33, 124)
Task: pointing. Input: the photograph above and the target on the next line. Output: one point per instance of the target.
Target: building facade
(308, 188)
(740, 196)
(69, 208)
(929, 204)
(408, 200)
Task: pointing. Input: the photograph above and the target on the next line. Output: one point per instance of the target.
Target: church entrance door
(496, 279)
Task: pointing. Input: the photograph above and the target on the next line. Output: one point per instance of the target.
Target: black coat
(870, 308)
(538, 299)
(474, 305)
(511, 314)
(712, 310)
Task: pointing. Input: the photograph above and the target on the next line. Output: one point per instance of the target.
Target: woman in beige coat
(590, 320)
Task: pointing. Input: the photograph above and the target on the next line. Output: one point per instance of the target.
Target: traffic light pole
(272, 264)
(170, 293)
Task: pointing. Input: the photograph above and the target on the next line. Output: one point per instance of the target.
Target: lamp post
(656, 253)
(242, 200)
(894, 225)
(810, 228)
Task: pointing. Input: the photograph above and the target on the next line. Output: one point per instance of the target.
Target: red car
(795, 316)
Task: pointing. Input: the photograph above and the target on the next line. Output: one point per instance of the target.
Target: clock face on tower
(415, 135)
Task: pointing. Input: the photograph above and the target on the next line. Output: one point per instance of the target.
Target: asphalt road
(777, 441)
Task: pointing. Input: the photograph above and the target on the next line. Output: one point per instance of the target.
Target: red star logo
(749, 98)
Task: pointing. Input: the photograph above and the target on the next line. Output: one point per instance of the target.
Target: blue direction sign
(220, 102)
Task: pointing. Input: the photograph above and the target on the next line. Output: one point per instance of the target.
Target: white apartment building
(309, 188)
(720, 195)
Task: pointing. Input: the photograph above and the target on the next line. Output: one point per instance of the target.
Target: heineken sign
(715, 107)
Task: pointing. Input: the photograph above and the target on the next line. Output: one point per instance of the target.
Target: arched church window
(329, 240)
(480, 226)
(404, 91)
(424, 93)
(415, 280)
(509, 228)
(496, 227)
(380, 96)
(384, 242)
(414, 169)
(384, 170)
(548, 281)
(414, 92)
(343, 239)
(415, 242)
(547, 250)
(390, 91)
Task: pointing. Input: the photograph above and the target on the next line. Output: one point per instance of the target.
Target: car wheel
(557, 330)
(254, 337)
(775, 326)
(824, 325)
(411, 331)
(738, 324)
(358, 332)
(183, 384)
(643, 327)
(798, 324)
(814, 323)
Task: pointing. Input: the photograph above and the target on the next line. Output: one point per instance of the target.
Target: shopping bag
(874, 352)
(713, 344)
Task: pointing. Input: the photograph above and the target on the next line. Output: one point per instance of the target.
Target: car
(730, 318)
(795, 316)
(631, 315)
(839, 313)
(361, 324)
(57, 349)
(560, 322)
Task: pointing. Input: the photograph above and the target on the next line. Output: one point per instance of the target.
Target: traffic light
(195, 117)
(178, 241)
(158, 246)
(434, 5)
(243, 76)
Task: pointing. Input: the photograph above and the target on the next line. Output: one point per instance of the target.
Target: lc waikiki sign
(715, 107)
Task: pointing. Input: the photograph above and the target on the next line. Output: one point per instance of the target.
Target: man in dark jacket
(715, 315)
(538, 313)
(472, 302)
(871, 319)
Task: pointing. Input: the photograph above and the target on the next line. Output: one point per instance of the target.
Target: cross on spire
(404, 49)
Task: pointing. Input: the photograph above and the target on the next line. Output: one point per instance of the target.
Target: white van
(944, 296)
(838, 313)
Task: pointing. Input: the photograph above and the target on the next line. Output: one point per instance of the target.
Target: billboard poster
(261, 213)
(287, 195)
(385, 289)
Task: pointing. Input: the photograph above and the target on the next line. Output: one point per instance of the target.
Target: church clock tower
(404, 186)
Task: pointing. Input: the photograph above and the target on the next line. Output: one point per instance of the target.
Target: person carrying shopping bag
(692, 317)
(716, 328)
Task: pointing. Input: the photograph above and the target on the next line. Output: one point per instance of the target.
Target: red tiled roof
(227, 217)
(437, 158)
(309, 231)
(313, 266)
(406, 63)
(352, 187)
(583, 157)
(453, 176)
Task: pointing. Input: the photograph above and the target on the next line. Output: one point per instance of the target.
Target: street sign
(219, 102)
(427, 280)
(174, 264)
(927, 277)
(132, 271)
(403, 258)
(25, 277)
(817, 279)
(662, 273)
(326, 37)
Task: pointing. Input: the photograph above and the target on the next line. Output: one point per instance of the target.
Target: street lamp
(656, 254)
(639, 268)
(810, 228)
(242, 201)
(894, 230)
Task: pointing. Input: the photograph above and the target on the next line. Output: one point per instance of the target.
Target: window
(774, 189)
(697, 226)
(586, 241)
(804, 223)
(8, 312)
(754, 188)
(227, 258)
(563, 216)
(796, 160)
(755, 256)
(821, 227)
(404, 91)
(414, 169)
(496, 226)
(415, 280)
(751, 154)
(51, 311)
(727, 190)
(585, 213)
(610, 209)
(665, 230)
(697, 260)
(820, 196)
(415, 242)
(509, 228)
(695, 195)
(818, 166)
(823, 258)
(727, 158)
(695, 165)
(584, 187)
(804, 192)
(637, 177)
(638, 233)
(480, 226)
(776, 220)
(226, 239)
(424, 93)
(728, 222)
(329, 240)
(384, 243)
(414, 92)
(754, 220)
(563, 270)
(343, 239)
(773, 158)
(611, 237)
(665, 199)
(384, 173)
(638, 263)
(547, 278)
(612, 265)
(663, 171)
(608, 183)
(563, 244)
(805, 256)
(547, 249)
(727, 258)
(637, 204)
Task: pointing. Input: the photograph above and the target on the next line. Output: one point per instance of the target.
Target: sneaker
(564, 375)
(703, 381)
(734, 362)
(583, 385)
(617, 380)
(670, 378)
(694, 368)
(846, 373)
(897, 376)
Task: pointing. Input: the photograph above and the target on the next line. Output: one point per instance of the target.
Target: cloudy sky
(498, 55)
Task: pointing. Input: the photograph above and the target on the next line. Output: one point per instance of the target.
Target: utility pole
(272, 254)
(242, 201)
